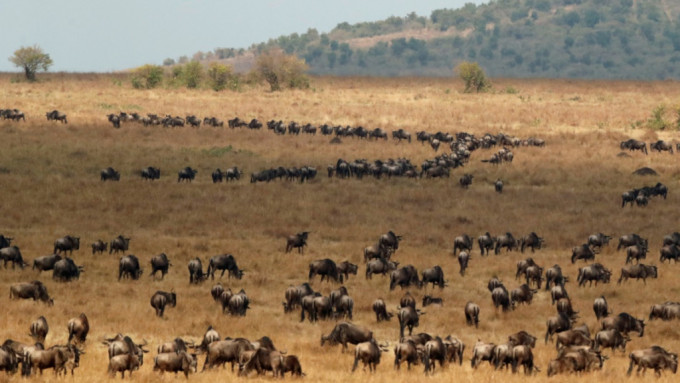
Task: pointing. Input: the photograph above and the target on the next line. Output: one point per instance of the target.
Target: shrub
(192, 74)
(473, 76)
(147, 77)
(221, 77)
(280, 70)
(656, 121)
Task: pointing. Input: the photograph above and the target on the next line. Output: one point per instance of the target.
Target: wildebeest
(114, 119)
(404, 276)
(175, 362)
(501, 298)
(12, 254)
(472, 314)
(60, 358)
(233, 173)
(669, 252)
(377, 251)
(486, 242)
(8, 359)
(346, 268)
(523, 356)
(326, 268)
(224, 262)
(298, 241)
(654, 357)
(466, 180)
(597, 241)
(601, 308)
(390, 240)
(160, 299)
(30, 290)
(150, 173)
(408, 317)
(78, 328)
(344, 333)
(291, 363)
(239, 304)
(344, 307)
(558, 292)
(434, 350)
(406, 352)
(522, 338)
(554, 277)
(66, 270)
(661, 145)
(380, 310)
(39, 329)
(610, 339)
(463, 242)
(128, 267)
(557, 324)
(217, 176)
(401, 134)
(294, 295)
(493, 283)
(523, 265)
(67, 243)
(630, 240)
(159, 262)
(633, 144)
(572, 337)
(187, 174)
(531, 240)
(522, 294)
(434, 275)
(5, 241)
(123, 362)
(369, 353)
(506, 240)
(109, 174)
(196, 274)
(624, 323)
(463, 259)
(430, 300)
(498, 186)
(119, 243)
(636, 252)
(380, 266)
(46, 262)
(124, 345)
(55, 115)
(99, 247)
(639, 271)
(211, 335)
(482, 352)
(583, 252)
(595, 272)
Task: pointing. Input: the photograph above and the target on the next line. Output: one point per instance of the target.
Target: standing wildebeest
(160, 299)
(46, 262)
(597, 241)
(572, 337)
(633, 144)
(217, 176)
(434, 350)
(463, 242)
(434, 275)
(486, 242)
(66, 270)
(67, 243)
(298, 241)
(187, 174)
(582, 252)
(472, 314)
(407, 301)
(123, 362)
(661, 145)
(380, 310)
(408, 317)
(128, 267)
(624, 323)
(630, 240)
(557, 324)
(224, 262)
(554, 276)
(654, 357)
(12, 254)
(346, 268)
(669, 252)
(294, 295)
(114, 119)
(404, 277)
(119, 243)
(369, 354)
(534, 275)
(379, 266)
(175, 362)
(506, 240)
(123, 345)
(232, 174)
(390, 240)
(493, 283)
(610, 339)
(531, 240)
(99, 247)
(39, 329)
(196, 274)
(523, 265)
(344, 333)
(326, 268)
(463, 259)
(408, 352)
(498, 186)
(500, 297)
(377, 251)
(239, 304)
(601, 308)
(522, 355)
(638, 271)
(58, 116)
(78, 328)
(35, 290)
(401, 134)
(465, 181)
(522, 294)
(160, 263)
(482, 352)
(151, 173)
(522, 338)
(109, 174)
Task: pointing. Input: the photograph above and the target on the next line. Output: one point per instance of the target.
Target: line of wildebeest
(577, 350)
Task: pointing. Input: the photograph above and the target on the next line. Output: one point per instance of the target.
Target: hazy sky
(107, 35)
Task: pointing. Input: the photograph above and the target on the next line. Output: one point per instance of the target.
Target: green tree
(280, 70)
(31, 59)
(147, 77)
(193, 74)
(473, 76)
(221, 76)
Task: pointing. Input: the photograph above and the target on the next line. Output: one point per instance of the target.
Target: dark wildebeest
(639, 271)
(630, 240)
(486, 242)
(224, 262)
(99, 247)
(595, 272)
(123, 362)
(655, 357)
(307, 306)
(433, 351)
(60, 358)
(523, 265)
(380, 310)
(557, 324)
(554, 276)
(472, 314)
(661, 145)
(35, 290)
(228, 350)
(434, 275)
(636, 252)
(239, 304)
(633, 144)
(407, 301)
(390, 240)
(610, 339)
(294, 295)
(5, 241)
(67, 243)
(291, 364)
(482, 352)
(583, 252)
(408, 317)
(344, 307)
(114, 119)
(78, 328)
(523, 356)
(160, 263)
(401, 134)
(408, 352)
(344, 333)
(624, 323)
(46, 262)
(534, 275)
(522, 338)
(463, 242)
(522, 294)
(501, 298)
(196, 274)
(558, 292)
(162, 298)
(493, 283)
(119, 243)
(298, 241)
(123, 345)
(369, 354)
(326, 268)
(109, 174)
(151, 173)
(498, 186)
(506, 240)
(58, 116)
(379, 266)
(232, 174)
(66, 270)
(377, 251)
(12, 254)
(39, 329)
(404, 277)
(454, 349)
(430, 300)
(175, 362)
(346, 268)
(531, 240)
(669, 252)
(128, 267)
(564, 306)
(572, 337)
(601, 308)
(466, 180)
(463, 259)
(599, 240)
(217, 176)
(187, 174)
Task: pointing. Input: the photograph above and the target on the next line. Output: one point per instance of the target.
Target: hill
(612, 39)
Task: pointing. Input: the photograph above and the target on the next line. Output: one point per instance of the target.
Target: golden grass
(565, 191)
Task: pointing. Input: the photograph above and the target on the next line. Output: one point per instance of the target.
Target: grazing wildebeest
(463, 242)
(639, 271)
(151, 173)
(610, 339)
(501, 298)
(558, 292)
(531, 240)
(175, 362)
(465, 181)
(58, 116)
(35, 290)
(327, 269)
(369, 354)
(294, 295)
(66, 270)
(522, 338)
(12, 254)
(654, 357)
(224, 262)
(557, 324)
(669, 252)
(506, 240)
(408, 317)
(624, 323)
(633, 144)
(463, 259)
(482, 352)
(630, 240)
(522, 294)
(119, 243)
(99, 247)
(404, 276)
(554, 276)
(583, 252)
(187, 174)
(486, 242)
(636, 252)
(498, 186)
(434, 275)
(114, 119)
(661, 145)
(196, 274)
(346, 268)
(380, 310)
(123, 362)
(406, 352)
(344, 333)
(380, 266)
(572, 337)
(597, 241)
(128, 267)
(233, 173)
(109, 174)
(160, 299)
(298, 241)
(472, 314)
(46, 262)
(601, 308)
(78, 328)
(67, 243)
(160, 263)
(39, 329)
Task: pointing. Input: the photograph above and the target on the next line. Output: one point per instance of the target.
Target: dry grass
(565, 191)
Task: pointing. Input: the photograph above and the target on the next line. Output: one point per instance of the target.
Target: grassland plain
(49, 182)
